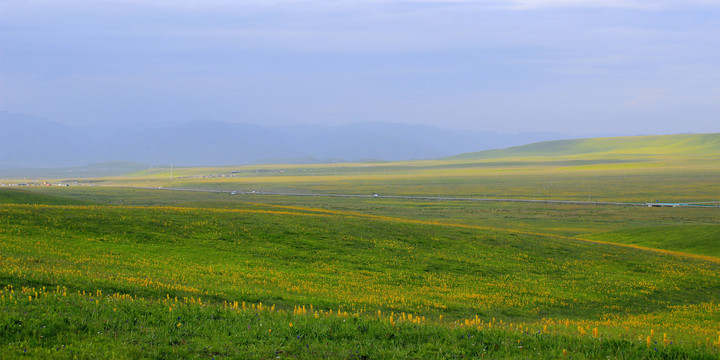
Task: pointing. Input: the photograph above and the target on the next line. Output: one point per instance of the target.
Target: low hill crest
(698, 144)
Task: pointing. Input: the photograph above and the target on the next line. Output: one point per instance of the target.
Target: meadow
(477, 179)
(118, 271)
(635, 169)
(198, 278)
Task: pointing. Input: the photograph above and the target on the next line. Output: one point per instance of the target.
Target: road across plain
(427, 198)
(430, 198)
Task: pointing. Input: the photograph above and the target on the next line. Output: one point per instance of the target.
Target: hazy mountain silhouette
(31, 142)
(27, 141)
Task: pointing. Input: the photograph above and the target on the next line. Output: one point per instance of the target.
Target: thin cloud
(493, 4)
(649, 97)
(399, 60)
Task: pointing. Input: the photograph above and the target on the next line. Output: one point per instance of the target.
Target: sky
(570, 66)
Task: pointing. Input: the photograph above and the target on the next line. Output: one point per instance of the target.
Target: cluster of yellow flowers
(600, 330)
(362, 293)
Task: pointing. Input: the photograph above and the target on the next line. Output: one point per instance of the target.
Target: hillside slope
(259, 282)
(698, 144)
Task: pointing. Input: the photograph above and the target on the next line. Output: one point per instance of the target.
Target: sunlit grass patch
(423, 276)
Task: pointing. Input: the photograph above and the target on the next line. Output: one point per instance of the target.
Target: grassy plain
(132, 272)
(689, 230)
(679, 168)
(645, 182)
(116, 272)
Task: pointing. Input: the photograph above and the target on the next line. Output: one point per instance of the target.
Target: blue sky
(570, 66)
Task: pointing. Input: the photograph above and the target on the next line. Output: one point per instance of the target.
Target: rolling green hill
(19, 196)
(695, 144)
(288, 282)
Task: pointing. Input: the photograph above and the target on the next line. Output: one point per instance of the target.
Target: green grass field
(116, 272)
(679, 168)
(405, 285)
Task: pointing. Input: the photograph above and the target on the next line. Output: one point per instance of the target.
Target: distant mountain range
(30, 142)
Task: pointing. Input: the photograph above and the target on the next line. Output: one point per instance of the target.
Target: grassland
(688, 144)
(117, 272)
(352, 285)
(679, 181)
(682, 168)
(689, 230)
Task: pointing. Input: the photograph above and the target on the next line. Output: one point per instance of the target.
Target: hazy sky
(571, 66)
